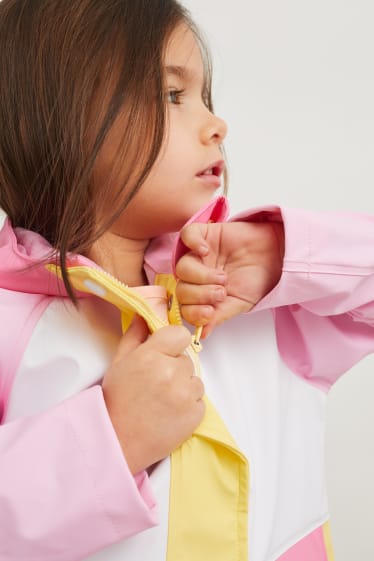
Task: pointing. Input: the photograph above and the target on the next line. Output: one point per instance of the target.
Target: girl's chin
(140, 225)
(189, 211)
(193, 207)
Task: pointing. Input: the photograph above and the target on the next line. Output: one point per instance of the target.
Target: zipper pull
(196, 345)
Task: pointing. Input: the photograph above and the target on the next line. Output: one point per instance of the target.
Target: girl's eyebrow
(181, 72)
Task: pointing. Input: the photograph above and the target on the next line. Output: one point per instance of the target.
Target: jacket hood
(25, 254)
(23, 257)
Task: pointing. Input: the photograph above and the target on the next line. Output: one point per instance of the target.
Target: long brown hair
(67, 69)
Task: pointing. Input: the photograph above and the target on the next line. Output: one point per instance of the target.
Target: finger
(207, 330)
(190, 269)
(197, 388)
(199, 294)
(136, 334)
(197, 315)
(194, 237)
(171, 340)
(185, 365)
(200, 411)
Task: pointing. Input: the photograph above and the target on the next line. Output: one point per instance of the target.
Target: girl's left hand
(229, 268)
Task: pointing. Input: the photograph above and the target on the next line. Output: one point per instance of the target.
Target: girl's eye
(174, 96)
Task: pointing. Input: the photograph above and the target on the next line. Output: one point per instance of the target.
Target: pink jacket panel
(323, 304)
(78, 488)
(311, 548)
(76, 473)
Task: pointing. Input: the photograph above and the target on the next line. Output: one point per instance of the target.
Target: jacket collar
(24, 254)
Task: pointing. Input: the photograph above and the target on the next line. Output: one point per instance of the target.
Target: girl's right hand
(152, 396)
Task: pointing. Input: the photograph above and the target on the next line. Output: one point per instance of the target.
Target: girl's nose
(214, 129)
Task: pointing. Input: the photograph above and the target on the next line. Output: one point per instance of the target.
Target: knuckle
(216, 294)
(166, 331)
(197, 314)
(185, 292)
(173, 332)
(199, 386)
(180, 395)
(148, 357)
(174, 329)
(179, 269)
(184, 266)
(184, 331)
(184, 335)
(166, 392)
(200, 411)
(189, 366)
(193, 294)
(168, 373)
(180, 289)
(163, 372)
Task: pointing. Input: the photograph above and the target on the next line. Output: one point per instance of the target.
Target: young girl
(110, 449)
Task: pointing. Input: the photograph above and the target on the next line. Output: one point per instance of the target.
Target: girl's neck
(121, 257)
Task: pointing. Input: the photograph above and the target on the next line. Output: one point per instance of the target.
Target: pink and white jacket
(66, 493)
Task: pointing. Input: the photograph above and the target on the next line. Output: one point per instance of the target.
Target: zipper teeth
(177, 312)
(95, 273)
(111, 277)
(145, 311)
(143, 307)
(191, 350)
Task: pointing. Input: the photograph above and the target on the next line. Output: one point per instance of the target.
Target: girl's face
(176, 186)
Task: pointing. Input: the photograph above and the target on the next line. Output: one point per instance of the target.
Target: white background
(295, 82)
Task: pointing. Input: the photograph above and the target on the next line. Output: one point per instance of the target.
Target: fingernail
(219, 294)
(204, 249)
(221, 278)
(206, 313)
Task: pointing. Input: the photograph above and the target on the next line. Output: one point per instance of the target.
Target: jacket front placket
(209, 479)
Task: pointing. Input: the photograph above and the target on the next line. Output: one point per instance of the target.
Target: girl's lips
(210, 180)
(215, 168)
(211, 175)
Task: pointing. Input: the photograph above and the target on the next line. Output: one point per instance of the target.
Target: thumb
(171, 340)
(194, 237)
(136, 334)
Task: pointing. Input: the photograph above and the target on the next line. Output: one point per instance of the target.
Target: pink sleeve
(324, 302)
(63, 480)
